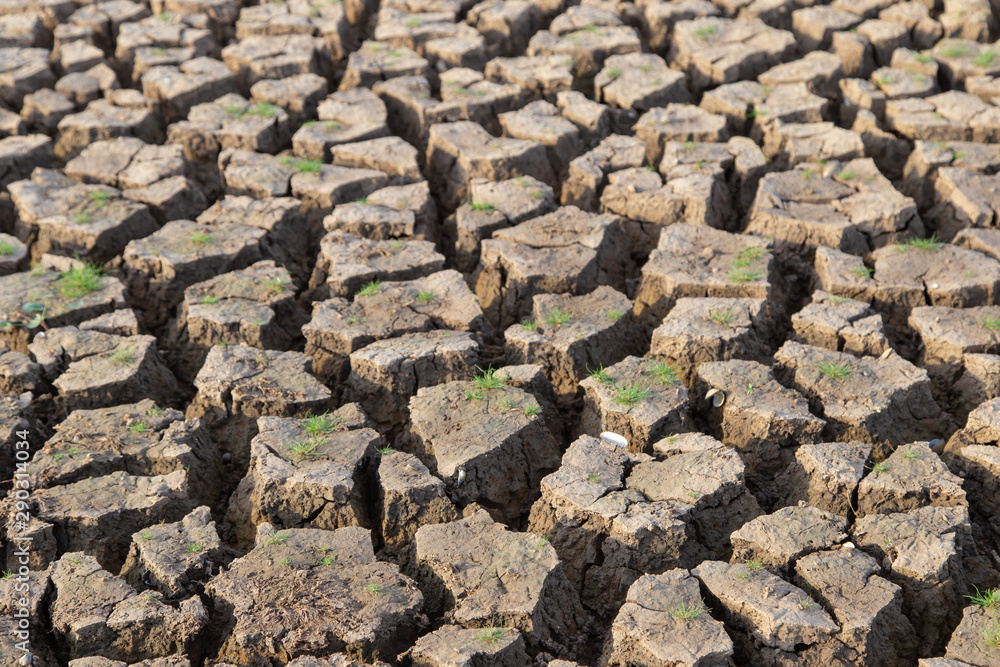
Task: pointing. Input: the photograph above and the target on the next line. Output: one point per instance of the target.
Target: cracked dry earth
(459, 333)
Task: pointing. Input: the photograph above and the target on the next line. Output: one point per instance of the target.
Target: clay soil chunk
(95, 613)
(379, 61)
(492, 206)
(24, 71)
(814, 26)
(664, 623)
(19, 156)
(477, 570)
(762, 419)
(852, 208)
(99, 514)
(306, 473)
(177, 558)
(927, 550)
(639, 81)
(485, 439)
(305, 591)
(573, 335)
(699, 261)
(387, 310)
(346, 263)
(882, 400)
(950, 116)
(588, 174)
(825, 476)
(713, 51)
(344, 118)
(254, 306)
(640, 399)
(13, 254)
(409, 497)
(869, 609)
(566, 251)
(820, 71)
(256, 58)
(387, 373)
(589, 48)
(232, 122)
(840, 324)
(678, 122)
(739, 162)
(237, 384)
(782, 538)
(122, 115)
(698, 331)
(178, 89)
(453, 645)
(744, 103)
(137, 438)
(913, 477)
(771, 612)
(538, 77)
(92, 369)
(461, 151)
(390, 155)
(65, 301)
(161, 266)
(791, 144)
(540, 121)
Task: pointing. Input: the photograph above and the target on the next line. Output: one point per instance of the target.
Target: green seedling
(425, 296)
(139, 427)
(985, 59)
(631, 395)
(988, 598)
(373, 589)
(286, 561)
(304, 448)
(991, 323)
(481, 206)
(529, 325)
(490, 635)
(665, 373)
(146, 535)
(862, 271)
(7, 248)
(615, 314)
(369, 289)
(383, 451)
(601, 375)
(201, 238)
(100, 198)
(79, 281)
(745, 275)
(486, 379)
(847, 175)
(194, 548)
(723, 317)
(932, 244)
(532, 411)
(592, 478)
(83, 218)
(808, 603)
(835, 370)
(880, 467)
(209, 299)
(911, 454)
(557, 317)
(614, 72)
(991, 634)
(705, 32)
(316, 425)
(687, 613)
(326, 560)
(123, 357)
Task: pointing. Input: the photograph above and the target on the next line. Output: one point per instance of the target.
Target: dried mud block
(356, 604)
(713, 51)
(917, 273)
(13, 254)
(677, 123)
(256, 58)
(979, 467)
(540, 121)
(459, 566)
(825, 476)
(387, 310)
(960, 59)
(968, 19)
(465, 647)
(378, 61)
(344, 118)
(237, 384)
(393, 212)
(924, 31)
(868, 609)
(436, 35)
(21, 155)
(62, 296)
(14, 597)
(791, 144)
(328, 23)
(639, 82)
(538, 77)
(661, 19)
(19, 374)
(492, 206)
(814, 26)
(762, 419)
(592, 119)
(698, 331)
(347, 262)
(390, 155)
(588, 174)
(506, 26)
(230, 122)
(461, 151)
(484, 438)
(63, 217)
(465, 95)
(99, 514)
(387, 373)
(840, 324)
(962, 198)
(138, 438)
(571, 335)
(883, 400)
(852, 208)
(24, 71)
(158, 268)
(588, 47)
(608, 534)
(14, 413)
(567, 251)
(927, 552)
(950, 116)
(175, 90)
(91, 369)
(947, 336)
(698, 261)
(972, 642)
(119, 115)
(299, 95)
(167, 39)
(770, 617)
(819, 71)
(95, 613)
(912, 477)
(742, 103)
(176, 559)
(903, 83)
(640, 399)
(306, 473)
(783, 538)
(255, 306)
(126, 162)
(981, 428)
(664, 623)
(409, 497)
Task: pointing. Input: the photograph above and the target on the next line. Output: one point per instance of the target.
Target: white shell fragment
(718, 397)
(614, 439)
(461, 477)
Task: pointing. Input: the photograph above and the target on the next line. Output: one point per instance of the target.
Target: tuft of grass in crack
(879, 468)
(146, 535)
(687, 613)
(123, 357)
(369, 289)
(745, 275)
(862, 271)
(304, 448)
(201, 238)
(383, 451)
(139, 427)
(486, 379)
(481, 206)
(490, 635)
(991, 323)
(991, 634)
(275, 285)
(723, 317)
(807, 604)
(989, 598)
(209, 299)
(373, 589)
(316, 425)
(425, 296)
(326, 560)
(529, 325)
(664, 372)
(7, 248)
(601, 375)
(79, 281)
(83, 218)
(100, 198)
(631, 395)
(911, 454)
(985, 59)
(614, 72)
(532, 410)
(557, 317)
(835, 370)
(615, 314)
(277, 538)
(194, 548)
(930, 245)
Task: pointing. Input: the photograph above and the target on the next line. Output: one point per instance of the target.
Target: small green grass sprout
(835, 370)
(631, 395)
(369, 289)
(601, 375)
(686, 613)
(194, 548)
(557, 317)
(664, 372)
(932, 244)
(201, 238)
(79, 281)
(425, 296)
(532, 411)
(988, 598)
(481, 206)
(7, 248)
(316, 425)
(139, 427)
(720, 316)
(123, 357)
